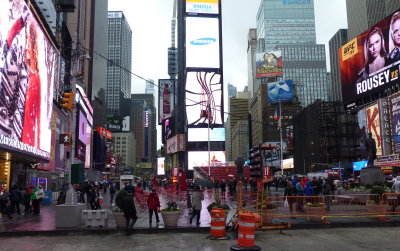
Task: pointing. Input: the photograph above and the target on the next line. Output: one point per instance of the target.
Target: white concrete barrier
(95, 218)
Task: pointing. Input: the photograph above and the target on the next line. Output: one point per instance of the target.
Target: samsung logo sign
(203, 41)
(296, 1)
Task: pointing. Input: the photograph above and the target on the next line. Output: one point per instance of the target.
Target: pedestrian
(112, 192)
(299, 193)
(290, 192)
(315, 186)
(197, 197)
(153, 202)
(276, 182)
(223, 188)
(129, 212)
(327, 192)
(309, 191)
(26, 198)
(16, 198)
(4, 203)
(36, 197)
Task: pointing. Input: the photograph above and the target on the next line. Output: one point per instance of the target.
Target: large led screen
(201, 158)
(374, 126)
(268, 64)
(202, 42)
(370, 62)
(160, 166)
(82, 131)
(28, 65)
(202, 6)
(201, 134)
(204, 99)
(395, 104)
(166, 91)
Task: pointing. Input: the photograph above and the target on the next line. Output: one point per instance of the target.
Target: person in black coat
(129, 212)
(16, 198)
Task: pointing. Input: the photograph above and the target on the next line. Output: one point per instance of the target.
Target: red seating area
(222, 172)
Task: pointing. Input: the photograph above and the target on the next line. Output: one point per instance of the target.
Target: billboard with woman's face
(28, 64)
(369, 63)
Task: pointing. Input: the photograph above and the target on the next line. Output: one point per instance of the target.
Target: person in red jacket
(153, 202)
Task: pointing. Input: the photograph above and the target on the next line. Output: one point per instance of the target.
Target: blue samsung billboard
(357, 166)
(280, 91)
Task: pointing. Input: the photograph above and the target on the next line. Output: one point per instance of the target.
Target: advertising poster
(200, 158)
(197, 134)
(166, 94)
(28, 65)
(82, 136)
(395, 105)
(160, 166)
(386, 130)
(370, 62)
(268, 64)
(118, 124)
(374, 125)
(204, 99)
(280, 91)
(202, 6)
(202, 42)
(362, 125)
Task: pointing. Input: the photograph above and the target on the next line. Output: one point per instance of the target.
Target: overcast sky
(151, 31)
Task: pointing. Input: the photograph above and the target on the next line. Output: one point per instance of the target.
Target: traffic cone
(217, 229)
(247, 231)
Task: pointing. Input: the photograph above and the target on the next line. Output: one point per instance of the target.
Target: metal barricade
(390, 204)
(352, 205)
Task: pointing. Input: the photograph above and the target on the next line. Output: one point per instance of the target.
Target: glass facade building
(289, 26)
(119, 62)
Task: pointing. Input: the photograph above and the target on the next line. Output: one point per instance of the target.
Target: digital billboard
(28, 71)
(395, 105)
(82, 131)
(118, 124)
(288, 163)
(200, 158)
(201, 134)
(362, 125)
(370, 62)
(357, 166)
(202, 42)
(386, 130)
(204, 99)
(374, 124)
(280, 91)
(268, 64)
(202, 6)
(166, 101)
(160, 166)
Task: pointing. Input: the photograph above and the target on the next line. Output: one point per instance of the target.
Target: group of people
(30, 197)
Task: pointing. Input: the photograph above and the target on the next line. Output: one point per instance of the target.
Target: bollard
(247, 231)
(217, 229)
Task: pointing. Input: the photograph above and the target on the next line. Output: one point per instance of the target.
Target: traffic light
(255, 162)
(67, 100)
(65, 138)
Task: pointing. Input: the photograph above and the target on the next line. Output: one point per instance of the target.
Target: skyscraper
(289, 26)
(119, 62)
(362, 14)
(337, 41)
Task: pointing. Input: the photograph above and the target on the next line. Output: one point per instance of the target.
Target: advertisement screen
(374, 126)
(166, 91)
(82, 131)
(288, 163)
(395, 104)
(202, 42)
(280, 91)
(118, 124)
(28, 70)
(370, 62)
(363, 126)
(204, 99)
(202, 6)
(201, 158)
(201, 134)
(268, 64)
(160, 166)
(357, 166)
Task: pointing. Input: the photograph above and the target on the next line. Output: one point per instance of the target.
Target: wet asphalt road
(382, 238)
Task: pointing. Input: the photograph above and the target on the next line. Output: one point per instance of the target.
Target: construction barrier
(247, 232)
(217, 228)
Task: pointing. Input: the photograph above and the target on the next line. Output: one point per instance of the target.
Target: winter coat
(197, 197)
(309, 191)
(299, 189)
(153, 202)
(16, 196)
(129, 207)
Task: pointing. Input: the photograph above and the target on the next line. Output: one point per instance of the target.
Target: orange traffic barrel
(217, 229)
(247, 232)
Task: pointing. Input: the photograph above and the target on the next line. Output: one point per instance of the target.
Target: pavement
(307, 239)
(45, 223)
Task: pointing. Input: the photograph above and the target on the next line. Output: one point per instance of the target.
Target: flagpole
(280, 132)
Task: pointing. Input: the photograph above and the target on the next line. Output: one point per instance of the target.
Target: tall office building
(362, 14)
(251, 49)
(119, 63)
(149, 87)
(289, 26)
(232, 90)
(337, 41)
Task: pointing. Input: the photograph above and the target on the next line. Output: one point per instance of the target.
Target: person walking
(153, 202)
(36, 197)
(197, 197)
(112, 192)
(129, 212)
(26, 198)
(290, 191)
(299, 193)
(16, 198)
(4, 201)
(327, 192)
(223, 188)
